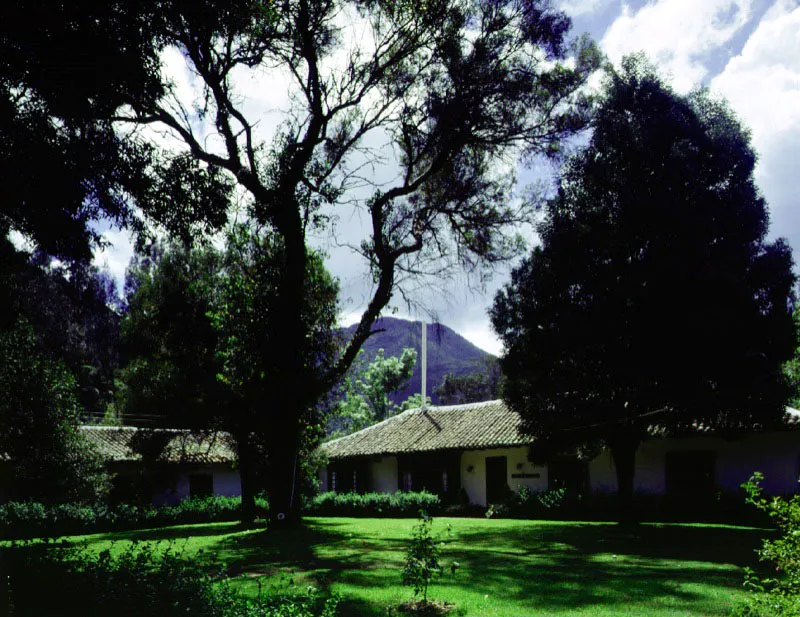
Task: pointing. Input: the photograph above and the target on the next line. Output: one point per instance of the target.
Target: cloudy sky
(747, 51)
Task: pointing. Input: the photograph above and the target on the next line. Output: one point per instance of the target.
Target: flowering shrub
(779, 594)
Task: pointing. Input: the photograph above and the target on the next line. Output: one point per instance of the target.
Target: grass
(508, 568)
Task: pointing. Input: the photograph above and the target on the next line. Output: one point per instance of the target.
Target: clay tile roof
(114, 444)
(473, 426)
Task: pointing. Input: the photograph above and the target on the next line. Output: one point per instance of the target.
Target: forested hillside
(448, 351)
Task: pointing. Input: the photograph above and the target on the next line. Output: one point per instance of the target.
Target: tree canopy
(483, 385)
(366, 389)
(197, 331)
(792, 367)
(654, 299)
(411, 116)
(445, 97)
(49, 460)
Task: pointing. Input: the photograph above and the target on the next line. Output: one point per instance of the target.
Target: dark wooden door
(496, 479)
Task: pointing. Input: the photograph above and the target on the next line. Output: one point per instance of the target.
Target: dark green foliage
(202, 329)
(141, 579)
(483, 385)
(655, 297)
(71, 308)
(66, 69)
(33, 519)
(389, 505)
(367, 392)
(170, 378)
(526, 503)
(792, 367)
(48, 459)
(777, 595)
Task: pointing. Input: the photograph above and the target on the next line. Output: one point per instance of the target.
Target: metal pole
(424, 368)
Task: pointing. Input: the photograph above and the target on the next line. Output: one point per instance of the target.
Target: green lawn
(508, 568)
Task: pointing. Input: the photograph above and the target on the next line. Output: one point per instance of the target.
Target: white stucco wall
(776, 455)
(227, 483)
(474, 482)
(384, 474)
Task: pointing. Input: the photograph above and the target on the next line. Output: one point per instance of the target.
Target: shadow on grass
(547, 566)
(716, 544)
(528, 566)
(575, 566)
(183, 532)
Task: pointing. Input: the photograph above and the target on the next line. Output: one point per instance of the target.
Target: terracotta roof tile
(472, 426)
(114, 444)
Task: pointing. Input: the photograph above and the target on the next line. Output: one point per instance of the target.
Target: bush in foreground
(399, 504)
(139, 580)
(779, 594)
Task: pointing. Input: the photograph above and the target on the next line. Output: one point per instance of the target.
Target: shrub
(526, 503)
(139, 580)
(778, 595)
(399, 504)
(32, 519)
(423, 557)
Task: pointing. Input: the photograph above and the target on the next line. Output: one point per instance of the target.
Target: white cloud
(576, 8)
(762, 85)
(678, 35)
(481, 335)
(116, 255)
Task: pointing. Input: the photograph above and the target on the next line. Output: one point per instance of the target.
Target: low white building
(475, 452)
(189, 464)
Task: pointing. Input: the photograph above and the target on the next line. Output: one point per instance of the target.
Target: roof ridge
(102, 427)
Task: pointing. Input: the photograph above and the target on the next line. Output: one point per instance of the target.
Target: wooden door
(496, 479)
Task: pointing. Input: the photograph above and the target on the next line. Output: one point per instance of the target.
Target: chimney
(424, 366)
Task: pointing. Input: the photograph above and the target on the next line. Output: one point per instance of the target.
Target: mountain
(448, 351)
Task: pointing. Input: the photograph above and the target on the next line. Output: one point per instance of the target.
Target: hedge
(399, 504)
(32, 519)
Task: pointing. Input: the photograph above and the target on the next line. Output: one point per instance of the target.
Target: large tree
(654, 298)
(66, 67)
(49, 460)
(447, 94)
(197, 332)
(792, 367)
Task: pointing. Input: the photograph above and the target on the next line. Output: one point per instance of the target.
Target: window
(201, 485)
(407, 481)
(355, 481)
(333, 481)
(444, 481)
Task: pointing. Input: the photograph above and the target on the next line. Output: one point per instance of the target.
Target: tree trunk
(247, 476)
(294, 375)
(284, 500)
(623, 452)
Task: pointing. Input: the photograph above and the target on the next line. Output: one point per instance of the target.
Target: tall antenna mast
(424, 368)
